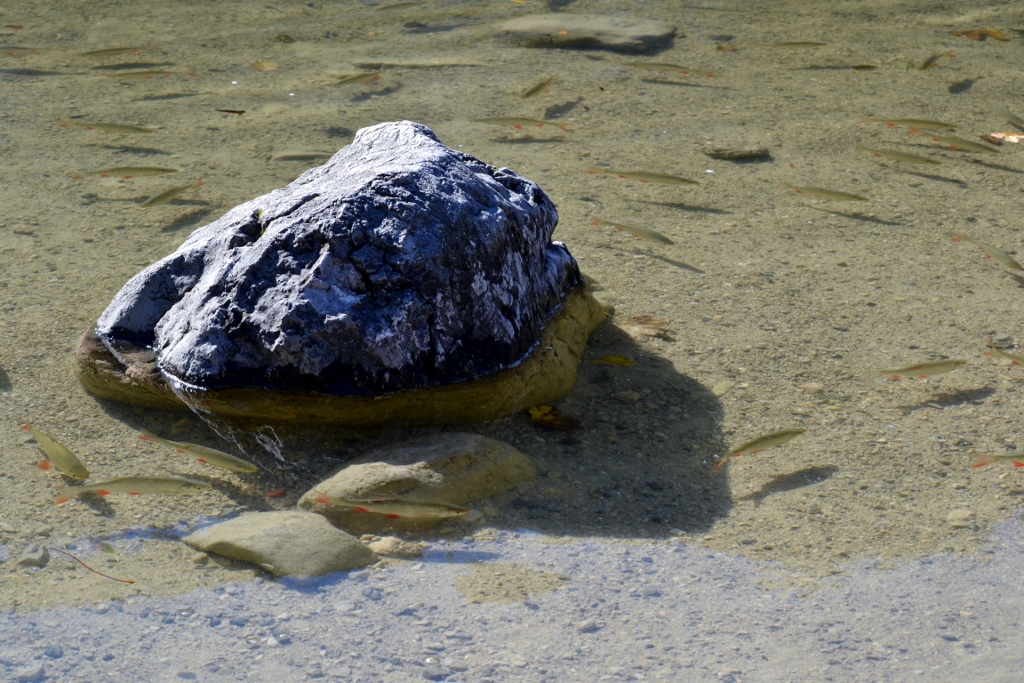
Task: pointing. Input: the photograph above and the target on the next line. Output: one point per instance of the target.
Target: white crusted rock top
(399, 263)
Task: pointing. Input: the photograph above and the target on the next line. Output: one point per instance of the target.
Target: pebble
(53, 651)
(812, 387)
(959, 519)
(628, 396)
(432, 672)
(372, 594)
(200, 559)
(722, 388)
(587, 626)
(34, 556)
(29, 673)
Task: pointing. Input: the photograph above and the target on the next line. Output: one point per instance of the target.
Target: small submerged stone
(456, 468)
(588, 31)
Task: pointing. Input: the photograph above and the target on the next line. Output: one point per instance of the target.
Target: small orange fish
(279, 493)
(551, 419)
(981, 460)
(1014, 358)
(613, 360)
(394, 508)
(981, 34)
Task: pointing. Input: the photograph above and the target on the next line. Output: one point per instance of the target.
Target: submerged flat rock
(588, 31)
(449, 467)
(285, 543)
(398, 265)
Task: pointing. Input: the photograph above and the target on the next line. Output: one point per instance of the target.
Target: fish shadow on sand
(5, 381)
(952, 398)
(684, 84)
(690, 207)
(527, 140)
(657, 257)
(187, 220)
(854, 216)
(781, 483)
(932, 176)
(95, 502)
(383, 92)
(995, 167)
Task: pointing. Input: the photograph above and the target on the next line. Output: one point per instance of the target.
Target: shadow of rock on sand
(640, 465)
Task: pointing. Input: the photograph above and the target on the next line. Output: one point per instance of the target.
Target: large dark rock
(398, 266)
(399, 263)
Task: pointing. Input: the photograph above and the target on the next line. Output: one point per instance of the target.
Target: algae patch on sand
(507, 582)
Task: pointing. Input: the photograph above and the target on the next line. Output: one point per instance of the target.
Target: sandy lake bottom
(867, 549)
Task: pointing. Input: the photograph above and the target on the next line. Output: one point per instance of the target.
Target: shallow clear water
(875, 511)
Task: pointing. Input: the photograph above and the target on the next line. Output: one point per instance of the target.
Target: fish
(621, 361)
(1006, 114)
(134, 486)
(394, 508)
(141, 75)
(518, 122)
(168, 195)
(552, 419)
(16, 51)
(914, 123)
(57, 455)
(302, 155)
(800, 43)
(211, 456)
(397, 6)
(996, 352)
(266, 66)
(111, 51)
(981, 460)
(632, 230)
(921, 371)
(997, 255)
(122, 128)
(537, 89)
(645, 176)
(130, 171)
(826, 194)
(933, 60)
(981, 34)
(364, 77)
(668, 68)
(231, 111)
(899, 156)
(761, 443)
(959, 143)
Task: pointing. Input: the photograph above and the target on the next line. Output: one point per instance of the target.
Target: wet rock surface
(398, 264)
(286, 543)
(588, 31)
(448, 467)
